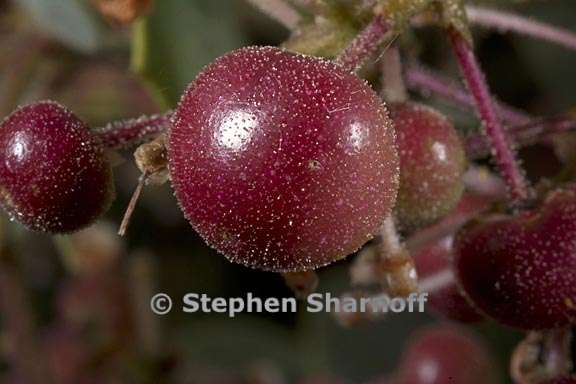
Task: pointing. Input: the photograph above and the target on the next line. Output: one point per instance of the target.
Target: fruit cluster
(287, 162)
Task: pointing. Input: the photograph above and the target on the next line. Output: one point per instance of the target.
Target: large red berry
(446, 355)
(53, 174)
(521, 270)
(432, 162)
(281, 161)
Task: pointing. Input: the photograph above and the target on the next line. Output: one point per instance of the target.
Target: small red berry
(521, 270)
(53, 174)
(446, 355)
(432, 162)
(281, 161)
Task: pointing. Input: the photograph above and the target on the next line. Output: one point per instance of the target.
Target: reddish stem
(526, 129)
(393, 86)
(125, 133)
(427, 81)
(364, 45)
(493, 128)
(526, 134)
(504, 21)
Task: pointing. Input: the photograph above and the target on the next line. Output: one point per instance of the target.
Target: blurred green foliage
(68, 21)
(173, 44)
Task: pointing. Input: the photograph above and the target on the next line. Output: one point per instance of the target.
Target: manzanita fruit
(432, 162)
(446, 355)
(521, 269)
(54, 176)
(281, 161)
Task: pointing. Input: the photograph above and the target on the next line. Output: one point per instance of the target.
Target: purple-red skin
(54, 176)
(432, 162)
(282, 162)
(521, 270)
(446, 355)
(448, 301)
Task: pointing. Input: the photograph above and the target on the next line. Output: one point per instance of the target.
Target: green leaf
(67, 21)
(179, 38)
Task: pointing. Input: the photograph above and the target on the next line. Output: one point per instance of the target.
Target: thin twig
(365, 44)
(536, 130)
(398, 270)
(492, 124)
(525, 129)
(124, 133)
(428, 81)
(393, 87)
(481, 181)
(437, 281)
(505, 21)
(469, 207)
(374, 311)
(132, 204)
(278, 10)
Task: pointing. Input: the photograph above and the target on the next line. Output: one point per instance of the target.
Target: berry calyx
(521, 270)
(53, 174)
(445, 354)
(281, 161)
(432, 163)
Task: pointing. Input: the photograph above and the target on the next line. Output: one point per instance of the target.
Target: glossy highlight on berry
(54, 176)
(282, 162)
